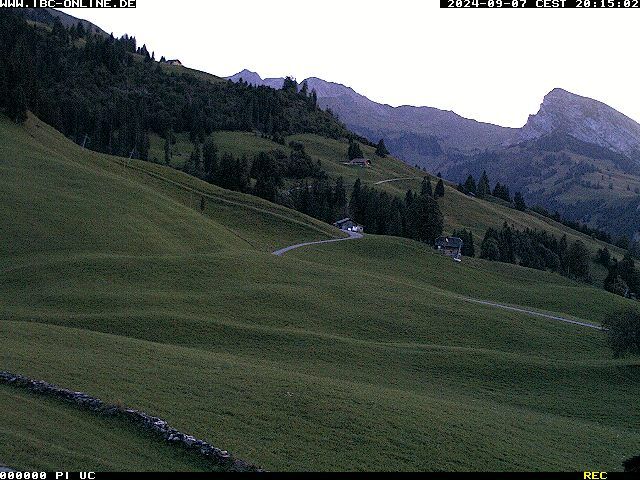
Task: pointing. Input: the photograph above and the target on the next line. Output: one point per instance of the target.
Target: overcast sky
(490, 65)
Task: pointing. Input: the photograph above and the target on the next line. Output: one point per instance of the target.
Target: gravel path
(352, 236)
(531, 312)
(357, 236)
(397, 180)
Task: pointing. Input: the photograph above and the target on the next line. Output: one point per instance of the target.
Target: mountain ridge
(561, 111)
(406, 129)
(587, 120)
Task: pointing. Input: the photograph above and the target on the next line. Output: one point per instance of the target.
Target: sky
(490, 65)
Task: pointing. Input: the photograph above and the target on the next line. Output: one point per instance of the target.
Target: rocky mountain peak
(586, 119)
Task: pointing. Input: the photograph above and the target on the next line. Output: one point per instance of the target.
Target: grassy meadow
(36, 427)
(347, 356)
(460, 211)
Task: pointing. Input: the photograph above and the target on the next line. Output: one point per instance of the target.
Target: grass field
(349, 356)
(460, 211)
(37, 433)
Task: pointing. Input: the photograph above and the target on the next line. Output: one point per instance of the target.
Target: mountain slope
(48, 16)
(293, 363)
(577, 155)
(413, 133)
(584, 119)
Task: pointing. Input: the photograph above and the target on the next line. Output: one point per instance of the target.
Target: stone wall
(218, 457)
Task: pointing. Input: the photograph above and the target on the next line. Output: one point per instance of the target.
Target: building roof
(449, 242)
(343, 221)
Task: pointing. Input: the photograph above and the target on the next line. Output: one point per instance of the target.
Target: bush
(623, 332)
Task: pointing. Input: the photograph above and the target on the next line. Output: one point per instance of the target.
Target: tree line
(539, 250)
(482, 189)
(577, 226)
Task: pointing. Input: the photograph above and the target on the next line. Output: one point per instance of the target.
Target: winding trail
(531, 312)
(396, 180)
(358, 236)
(352, 236)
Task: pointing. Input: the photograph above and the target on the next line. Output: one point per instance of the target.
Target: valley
(169, 246)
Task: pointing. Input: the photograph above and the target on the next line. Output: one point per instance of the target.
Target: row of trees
(537, 249)
(428, 190)
(354, 151)
(482, 189)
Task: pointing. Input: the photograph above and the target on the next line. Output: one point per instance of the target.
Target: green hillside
(580, 180)
(59, 435)
(460, 211)
(348, 356)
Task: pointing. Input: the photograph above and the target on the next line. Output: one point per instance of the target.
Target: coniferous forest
(109, 94)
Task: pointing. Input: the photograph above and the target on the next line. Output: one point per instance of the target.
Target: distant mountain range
(415, 134)
(576, 155)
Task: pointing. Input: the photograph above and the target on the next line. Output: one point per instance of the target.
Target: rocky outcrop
(158, 426)
(587, 120)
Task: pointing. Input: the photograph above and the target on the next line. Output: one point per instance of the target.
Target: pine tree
(340, 198)
(439, 192)
(409, 198)
(470, 185)
(519, 202)
(490, 246)
(355, 203)
(210, 159)
(426, 188)
(290, 85)
(425, 221)
(483, 186)
(268, 179)
(578, 260)
(468, 248)
(354, 150)
(381, 149)
(193, 166)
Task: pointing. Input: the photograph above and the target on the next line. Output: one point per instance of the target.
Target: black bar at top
(517, 4)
